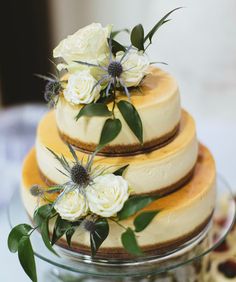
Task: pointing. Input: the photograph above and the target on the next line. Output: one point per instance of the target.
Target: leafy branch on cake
(100, 70)
(87, 201)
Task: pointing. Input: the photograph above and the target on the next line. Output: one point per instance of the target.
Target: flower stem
(46, 199)
(33, 230)
(147, 46)
(54, 188)
(117, 222)
(113, 108)
(114, 99)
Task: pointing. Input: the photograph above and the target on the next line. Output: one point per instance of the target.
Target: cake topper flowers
(88, 201)
(88, 189)
(99, 69)
(87, 44)
(124, 69)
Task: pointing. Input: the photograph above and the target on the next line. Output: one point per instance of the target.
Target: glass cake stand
(186, 263)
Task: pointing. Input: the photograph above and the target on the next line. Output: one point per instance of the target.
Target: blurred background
(199, 45)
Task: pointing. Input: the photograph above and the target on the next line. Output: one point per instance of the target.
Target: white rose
(88, 44)
(80, 88)
(135, 67)
(72, 206)
(107, 195)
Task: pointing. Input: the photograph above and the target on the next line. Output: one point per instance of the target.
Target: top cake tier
(158, 104)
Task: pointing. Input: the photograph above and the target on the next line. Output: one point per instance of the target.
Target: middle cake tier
(158, 172)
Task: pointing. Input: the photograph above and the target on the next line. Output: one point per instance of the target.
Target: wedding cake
(117, 170)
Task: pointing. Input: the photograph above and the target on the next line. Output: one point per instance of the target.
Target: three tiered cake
(117, 170)
(178, 169)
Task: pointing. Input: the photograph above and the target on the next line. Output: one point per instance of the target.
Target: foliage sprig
(141, 42)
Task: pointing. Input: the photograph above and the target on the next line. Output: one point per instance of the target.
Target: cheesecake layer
(157, 102)
(184, 213)
(160, 171)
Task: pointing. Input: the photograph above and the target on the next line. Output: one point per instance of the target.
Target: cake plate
(186, 263)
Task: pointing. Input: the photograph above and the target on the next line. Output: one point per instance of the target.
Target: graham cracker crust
(122, 150)
(150, 250)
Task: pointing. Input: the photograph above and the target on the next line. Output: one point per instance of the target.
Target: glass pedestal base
(187, 263)
(192, 272)
(195, 271)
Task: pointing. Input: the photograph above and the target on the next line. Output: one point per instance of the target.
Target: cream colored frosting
(146, 173)
(158, 104)
(181, 212)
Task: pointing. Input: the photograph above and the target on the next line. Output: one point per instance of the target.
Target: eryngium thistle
(89, 225)
(53, 86)
(36, 190)
(79, 175)
(115, 69)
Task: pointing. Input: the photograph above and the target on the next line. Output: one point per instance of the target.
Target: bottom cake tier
(184, 213)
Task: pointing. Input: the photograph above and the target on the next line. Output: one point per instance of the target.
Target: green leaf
(129, 242)
(116, 46)
(137, 37)
(110, 131)
(95, 109)
(26, 258)
(43, 213)
(116, 32)
(69, 233)
(134, 204)
(45, 236)
(60, 228)
(66, 164)
(120, 170)
(41, 218)
(99, 234)
(73, 153)
(60, 160)
(158, 25)
(142, 220)
(131, 116)
(15, 236)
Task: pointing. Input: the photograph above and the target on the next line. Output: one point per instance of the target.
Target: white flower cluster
(80, 88)
(104, 197)
(90, 45)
